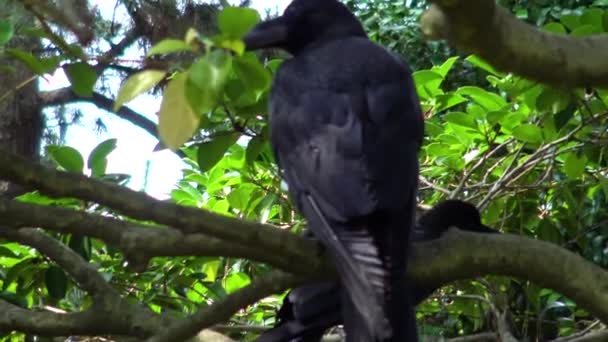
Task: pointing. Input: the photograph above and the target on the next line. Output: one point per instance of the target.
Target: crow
(345, 128)
(308, 311)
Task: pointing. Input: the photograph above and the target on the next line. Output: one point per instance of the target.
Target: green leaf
(67, 157)
(82, 77)
(462, 119)
(177, 122)
(98, 160)
(528, 133)
(423, 77)
(585, 30)
(254, 148)
(594, 17)
(574, 165)
(252, 73)
(236, 281)
(482, 64)
(137, 84)
(240, 197)
(562, 118)
(489, 101)
(547, 231)
(6, 32)
(56, 282)
(31, 62)
(444, 68)
(210, 269)
(447, 101)
(81, 245)
(210, 153)
(21, 269)
(604, 184)
(236, 22)
(555, 28)
(427, 83)
(168, 46)
(7, 253)
(14, 298)
(206, 80)
(494, 117)
(570, 21)
(552, 100)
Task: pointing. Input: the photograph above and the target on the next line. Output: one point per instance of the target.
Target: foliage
(531, 156)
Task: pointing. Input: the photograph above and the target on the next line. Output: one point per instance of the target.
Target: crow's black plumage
(346, 127)
(308, 311)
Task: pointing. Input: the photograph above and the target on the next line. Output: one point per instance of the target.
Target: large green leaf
(482, 64)
(81, 245)
(210, 269)
(236, 281)
(252, 72)
(177, 121)
(82, 76)
(552, 100)
(461, 119)
(210, 153)
(36, 65)
(98, 158)
(168, 46)
(444, 68)
(254, 148)
(67, 157)
(137, 84)
(528, 133)
(490, 101)
(447, 101)
(235, 22)
(206, 80)
(555, 28)
(56, 282)
(574, 165)
(6, 31)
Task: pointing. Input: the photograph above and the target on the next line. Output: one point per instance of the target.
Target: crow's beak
(268, 34)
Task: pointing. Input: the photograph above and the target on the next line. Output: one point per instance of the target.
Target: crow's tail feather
(355, 264)
(370, 255)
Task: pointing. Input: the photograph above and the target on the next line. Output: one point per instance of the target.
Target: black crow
(308, 311)
(346, 127)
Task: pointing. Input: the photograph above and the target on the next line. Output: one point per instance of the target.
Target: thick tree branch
(66, 95)
(13, 317)
(139, 243)
(484, 28)
(466, 255)
(141, 206)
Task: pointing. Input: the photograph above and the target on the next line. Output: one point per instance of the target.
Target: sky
(135, 146)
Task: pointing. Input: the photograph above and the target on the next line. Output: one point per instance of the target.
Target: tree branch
(83, 272)
(143, 207)
(484, 28)
(224, 309)
(139, 243)
(66, 95)
(457, 255)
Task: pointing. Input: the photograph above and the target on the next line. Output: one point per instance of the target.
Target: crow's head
(453, 213)
(305, 22)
